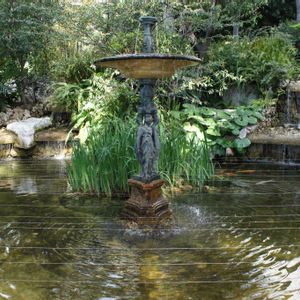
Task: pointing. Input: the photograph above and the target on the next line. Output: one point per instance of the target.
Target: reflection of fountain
(146, 201)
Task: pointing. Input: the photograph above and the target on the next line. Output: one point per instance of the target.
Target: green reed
(105, 162)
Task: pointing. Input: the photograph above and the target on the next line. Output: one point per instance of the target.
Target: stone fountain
(146, 204)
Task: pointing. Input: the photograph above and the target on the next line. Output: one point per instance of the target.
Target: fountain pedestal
(146, 205)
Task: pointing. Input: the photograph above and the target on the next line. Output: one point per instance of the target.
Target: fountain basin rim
(150, 65)
(149, 56)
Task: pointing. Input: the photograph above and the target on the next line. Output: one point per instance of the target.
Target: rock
(7, 137)
(270, 118)
(9, 112)
(294, 86)
(276, 136)
(229, 152)
(3, 119)
(26, 129)
(38, 106)
(61, 118)
(18, 113)
(206, 188)
(53, 135)
(39, 110)
(26, 114)
(243, 133)
(251, 128)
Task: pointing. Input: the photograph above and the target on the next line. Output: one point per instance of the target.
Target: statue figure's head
(148, 119)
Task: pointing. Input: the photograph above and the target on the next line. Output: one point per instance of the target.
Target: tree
(277, 11)
(240, 12)
(298, 10)
(25, 30)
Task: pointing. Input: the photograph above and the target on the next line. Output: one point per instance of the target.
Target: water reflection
(240, 240)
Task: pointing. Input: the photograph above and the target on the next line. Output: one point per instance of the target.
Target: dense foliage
(223, 128)
(26, 31)
(96, 99)
(105, 162)
(261, 61)
(61, 39)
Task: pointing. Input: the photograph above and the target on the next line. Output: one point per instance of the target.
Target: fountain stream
(293, 106)
(146, 203)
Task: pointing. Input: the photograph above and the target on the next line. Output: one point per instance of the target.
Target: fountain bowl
(152, 65)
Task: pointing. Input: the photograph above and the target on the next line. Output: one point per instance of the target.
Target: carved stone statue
(147, 105)
(147, 148)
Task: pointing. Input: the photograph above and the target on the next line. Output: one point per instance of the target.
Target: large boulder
(26, 129)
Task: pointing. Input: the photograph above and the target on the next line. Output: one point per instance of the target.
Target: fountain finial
(148, 23)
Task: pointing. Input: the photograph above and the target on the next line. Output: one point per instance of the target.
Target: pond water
(238, 240)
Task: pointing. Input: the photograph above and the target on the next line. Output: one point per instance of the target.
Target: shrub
(72, 68)
(263, 62)
(95, 99)
(222, 127)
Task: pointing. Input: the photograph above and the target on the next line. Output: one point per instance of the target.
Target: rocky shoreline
(49, 143)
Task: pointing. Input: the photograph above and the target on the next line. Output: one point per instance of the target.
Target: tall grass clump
(184, 157)
(107, 159)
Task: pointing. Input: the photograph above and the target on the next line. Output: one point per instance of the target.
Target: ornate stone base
(146, 205)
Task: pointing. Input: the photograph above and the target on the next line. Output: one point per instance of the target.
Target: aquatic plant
(107, 159)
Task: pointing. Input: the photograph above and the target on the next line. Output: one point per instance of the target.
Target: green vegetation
(223, 128)
(262, 61)
(27, 29)
(105, 162)
(96, 99)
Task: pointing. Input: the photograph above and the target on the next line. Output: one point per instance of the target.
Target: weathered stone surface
(26, 129)
(52, 149)
(19, 113)
(20, 153)
(276, 136)
(146, 205)
(274, 152)
(49, 143)
(5, 151)
(7, 137)
(52, 135)
(294, 86)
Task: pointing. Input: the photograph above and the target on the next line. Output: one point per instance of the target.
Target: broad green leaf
(241, 121)
(207, 111)
(252, 120)
(203, 121)
(235, 131)
(213, 131)
(223, 115)
(190, 108)
(195, 130)
(223, 142)
(258, 115)
(242, 143)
